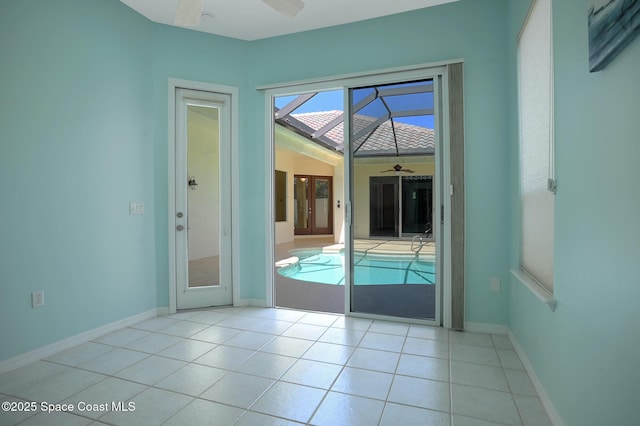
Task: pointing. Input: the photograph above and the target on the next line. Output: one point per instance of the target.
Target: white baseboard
(257, 303)
(481, 327)
(69, 342)
(163, 310)
(555, 418)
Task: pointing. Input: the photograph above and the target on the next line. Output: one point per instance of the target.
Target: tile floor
(254, 366)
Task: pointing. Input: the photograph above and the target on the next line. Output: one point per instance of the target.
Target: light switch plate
(136, 208)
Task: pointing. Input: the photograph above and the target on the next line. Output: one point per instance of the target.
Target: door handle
(180, 228)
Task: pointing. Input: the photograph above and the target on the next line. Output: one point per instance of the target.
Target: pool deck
(285, 253)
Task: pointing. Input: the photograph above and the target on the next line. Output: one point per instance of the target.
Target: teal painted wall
(75, 143)
(472, 30)
(586, 352)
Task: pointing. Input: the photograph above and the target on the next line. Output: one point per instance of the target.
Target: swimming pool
(328, 268)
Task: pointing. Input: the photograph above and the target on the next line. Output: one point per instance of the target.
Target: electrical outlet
(37, 298)
(494, 285)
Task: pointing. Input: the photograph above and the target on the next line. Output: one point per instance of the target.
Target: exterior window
(537, 184)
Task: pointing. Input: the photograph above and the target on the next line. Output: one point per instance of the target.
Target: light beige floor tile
(225, 357)
(474, 354)
(152, 407)
(383, 342)
(484, 376)
(238, 390)
(426, 347)
(287, 346)
(263, 364)
(192, 379)
(312, 373)
(151, 370)
(80, 354)
(424, 367)
(396, 414)
(366, 383)
(421, 393)
(199, 411)
(484, 404)
(372, 359)
(116, 360)
(340, 409)
(328, 352)
(290, 401)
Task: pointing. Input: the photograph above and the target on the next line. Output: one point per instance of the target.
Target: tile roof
(411, 139)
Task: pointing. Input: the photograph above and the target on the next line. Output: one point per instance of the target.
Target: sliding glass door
(393, 150)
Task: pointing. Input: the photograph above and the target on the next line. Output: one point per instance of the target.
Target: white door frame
(232, 91)
(343, 83)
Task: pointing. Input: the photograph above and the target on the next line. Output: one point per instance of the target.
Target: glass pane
(301, 202)
(322, 206)
(203, 196)
(373, 111)
(280, 201)
(322, 101)
(392, 201)
(410, 102)
(360, 94)
(417, 199)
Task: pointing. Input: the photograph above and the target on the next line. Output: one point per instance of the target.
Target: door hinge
(442, 214)
(551, 185)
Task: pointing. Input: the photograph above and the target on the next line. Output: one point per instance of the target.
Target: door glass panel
(203, 195)
(392, 164)
(417, 201)
(301, 202)
(322, 190)
(383, 207)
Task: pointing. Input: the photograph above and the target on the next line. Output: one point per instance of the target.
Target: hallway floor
(260, 366)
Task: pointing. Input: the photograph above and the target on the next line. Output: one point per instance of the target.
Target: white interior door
(202, 199)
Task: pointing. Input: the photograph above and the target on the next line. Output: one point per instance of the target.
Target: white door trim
(173, 84)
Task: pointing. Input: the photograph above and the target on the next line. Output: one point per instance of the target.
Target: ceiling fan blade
(188, 13)
(288, 8)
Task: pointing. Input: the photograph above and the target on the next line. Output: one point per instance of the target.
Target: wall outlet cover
(37, 298)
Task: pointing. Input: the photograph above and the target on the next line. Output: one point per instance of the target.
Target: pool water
(328, 268)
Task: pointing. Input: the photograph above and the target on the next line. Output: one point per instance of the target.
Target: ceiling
(254, 20)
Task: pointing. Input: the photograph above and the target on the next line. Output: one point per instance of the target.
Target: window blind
(535, 66)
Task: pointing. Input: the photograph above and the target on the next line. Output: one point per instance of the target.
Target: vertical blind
(535, 82)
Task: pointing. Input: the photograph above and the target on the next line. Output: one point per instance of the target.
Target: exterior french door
(203, 199)
(313, 213)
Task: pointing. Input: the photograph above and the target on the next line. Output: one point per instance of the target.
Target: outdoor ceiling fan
(189, 12)
(397, 169)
